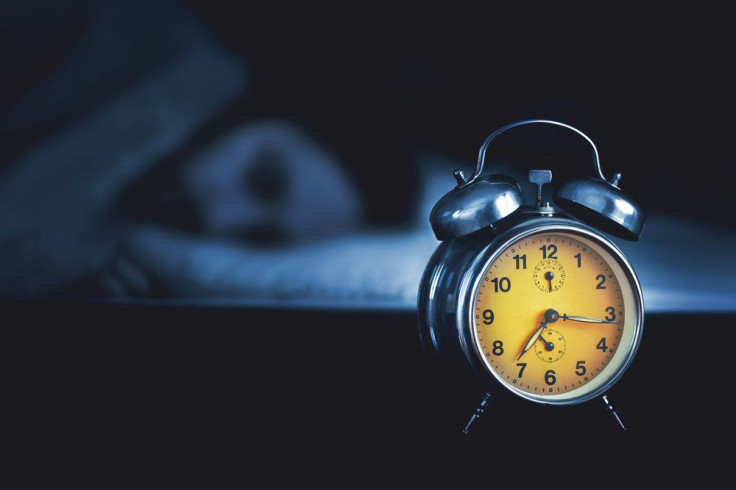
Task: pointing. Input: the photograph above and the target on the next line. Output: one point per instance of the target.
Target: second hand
(547, 345)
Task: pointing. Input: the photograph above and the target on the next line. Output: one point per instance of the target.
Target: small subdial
(549, 275)
(550, 346)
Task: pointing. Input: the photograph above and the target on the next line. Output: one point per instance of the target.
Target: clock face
(557, 315)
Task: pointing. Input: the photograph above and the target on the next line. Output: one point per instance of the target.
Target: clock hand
(533, 338)
(550, 316)
(549, 275)
(586, 319)
(547, 344)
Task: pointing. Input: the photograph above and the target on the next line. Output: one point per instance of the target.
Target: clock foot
(478, 412)
(610, 409)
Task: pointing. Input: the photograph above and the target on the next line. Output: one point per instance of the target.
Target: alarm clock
(533, 294)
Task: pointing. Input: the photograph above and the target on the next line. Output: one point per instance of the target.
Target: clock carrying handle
(498, 132)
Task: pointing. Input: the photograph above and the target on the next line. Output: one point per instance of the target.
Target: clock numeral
(549, 251)
(580, 368)
(580, 260)
(601, 281)
(602, 345)
(522, 365)
(520, 260)
(497, 348)
(549, 377)
(488, 317)
(504, 284)
(611, 313)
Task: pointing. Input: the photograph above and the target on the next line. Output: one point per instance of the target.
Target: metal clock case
(534, 298)
(451, 282)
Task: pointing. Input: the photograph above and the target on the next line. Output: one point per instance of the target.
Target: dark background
(652, 85)
(123, 387)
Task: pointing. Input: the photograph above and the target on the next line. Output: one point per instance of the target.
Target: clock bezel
(473, 276)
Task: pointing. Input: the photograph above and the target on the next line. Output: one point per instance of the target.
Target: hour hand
(586, 319)
(532, 338)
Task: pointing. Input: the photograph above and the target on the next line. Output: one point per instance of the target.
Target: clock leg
(610, 409)
(478, 412)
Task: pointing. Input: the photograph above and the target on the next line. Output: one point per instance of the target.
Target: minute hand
(586, 319)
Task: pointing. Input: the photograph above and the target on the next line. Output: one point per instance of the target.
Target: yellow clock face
(556, 317)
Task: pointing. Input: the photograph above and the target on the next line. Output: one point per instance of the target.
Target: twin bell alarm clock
(532, 294)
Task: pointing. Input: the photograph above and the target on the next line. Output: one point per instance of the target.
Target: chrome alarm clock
(532, 294)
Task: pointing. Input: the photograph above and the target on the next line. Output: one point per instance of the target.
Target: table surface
(315, 387)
